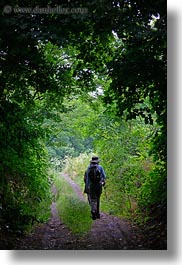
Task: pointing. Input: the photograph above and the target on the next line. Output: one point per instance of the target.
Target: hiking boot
(98, 215)
(94, 216)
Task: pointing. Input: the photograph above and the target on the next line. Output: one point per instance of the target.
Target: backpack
(94, 174)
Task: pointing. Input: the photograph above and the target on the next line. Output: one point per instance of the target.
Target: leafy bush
(24, 182)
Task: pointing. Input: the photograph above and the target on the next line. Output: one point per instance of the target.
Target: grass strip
(73, 212)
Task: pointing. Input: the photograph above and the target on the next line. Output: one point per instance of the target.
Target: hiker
(94, 179)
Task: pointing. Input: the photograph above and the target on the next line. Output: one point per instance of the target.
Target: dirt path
(74, 186)
(108, 232)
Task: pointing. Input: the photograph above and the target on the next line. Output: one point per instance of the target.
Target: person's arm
(85, 176)
(103, 175)
(86, 180)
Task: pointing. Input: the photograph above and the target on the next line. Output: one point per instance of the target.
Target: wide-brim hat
(95, 159)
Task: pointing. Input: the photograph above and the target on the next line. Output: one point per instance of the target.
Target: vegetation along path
(108, 232)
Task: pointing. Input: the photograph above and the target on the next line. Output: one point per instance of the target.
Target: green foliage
(119, 49)
(154, 189)
(123, 148)
(24, 187)
(133, 183)
(68, 128)
(73, 212)
(75, 167)
(138, 68)
(33, 74)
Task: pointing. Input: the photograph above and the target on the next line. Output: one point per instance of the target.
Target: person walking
(94, 179)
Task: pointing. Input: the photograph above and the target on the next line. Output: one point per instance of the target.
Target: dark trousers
(94, 198)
